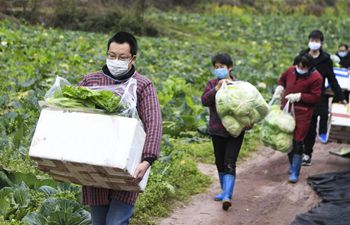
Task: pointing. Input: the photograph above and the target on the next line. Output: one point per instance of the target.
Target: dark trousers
(323, 124)
(226, 150)
(321, 109)
(297, 149)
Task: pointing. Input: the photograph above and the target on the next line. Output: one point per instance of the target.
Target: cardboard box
(340, 115)
(91, 149)
(343, 78)
(340, 124)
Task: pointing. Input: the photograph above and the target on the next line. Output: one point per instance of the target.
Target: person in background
(226, 147)
(112, 207)
(300, 84)
(341, 59)
(324, 66)
(344, 62)
(344, 56)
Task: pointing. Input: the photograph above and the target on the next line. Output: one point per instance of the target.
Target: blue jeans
(116, 213)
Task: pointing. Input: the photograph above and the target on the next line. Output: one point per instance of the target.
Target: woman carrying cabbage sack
(301, 85)
(226, 147)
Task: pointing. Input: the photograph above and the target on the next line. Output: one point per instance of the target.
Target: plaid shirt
(208, 99)
(149, 112)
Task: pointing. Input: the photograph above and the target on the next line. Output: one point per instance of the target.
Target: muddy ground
(262, 194)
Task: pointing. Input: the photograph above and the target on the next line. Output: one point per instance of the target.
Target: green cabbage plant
(59, 211)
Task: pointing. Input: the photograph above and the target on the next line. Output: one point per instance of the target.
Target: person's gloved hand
(278, 92)
(294, 97)
(335, 58)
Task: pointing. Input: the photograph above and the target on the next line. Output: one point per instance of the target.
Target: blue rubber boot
(221, 195)
(229, 183)
(296, 165)
(323, 138)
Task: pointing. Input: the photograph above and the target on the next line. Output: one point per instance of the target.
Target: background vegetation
(131, 15)
(176, 39)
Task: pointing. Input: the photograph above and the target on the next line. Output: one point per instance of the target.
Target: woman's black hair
(316, 34)
(222, 58)
(305, 60)
(344, 45)
(124, 37)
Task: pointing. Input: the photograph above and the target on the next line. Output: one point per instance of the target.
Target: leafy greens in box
(83, 97)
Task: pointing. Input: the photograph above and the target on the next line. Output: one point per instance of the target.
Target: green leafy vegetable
(14, 200)
(240, 104)
(232, 125)
(107, 100)
(280, 120)
(69, 102)
(277, 129)
(274, 138)
(63, 210)
(83, 97)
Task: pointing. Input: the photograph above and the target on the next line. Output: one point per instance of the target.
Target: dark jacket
(344, 61)
(310, 88)
(208, 99)
(324, 66)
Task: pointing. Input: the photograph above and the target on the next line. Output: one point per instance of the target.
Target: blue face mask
(221, 73)
(342, 54)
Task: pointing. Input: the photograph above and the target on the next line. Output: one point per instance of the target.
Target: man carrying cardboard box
(111, 206)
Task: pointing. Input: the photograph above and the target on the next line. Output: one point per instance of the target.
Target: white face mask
(117, 67)
(342, 54)
(300, 71)
(314, 45)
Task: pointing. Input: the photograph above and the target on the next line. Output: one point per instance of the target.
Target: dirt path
(262, 193)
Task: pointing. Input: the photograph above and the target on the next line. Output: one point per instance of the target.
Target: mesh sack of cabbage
(277, 128)
(239, 104)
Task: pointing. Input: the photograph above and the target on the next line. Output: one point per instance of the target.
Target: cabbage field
(178, 62)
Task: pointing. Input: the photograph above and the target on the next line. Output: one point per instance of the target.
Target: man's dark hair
(344, 45)
(223, 59)
(316, 34)
(124, 37)
(305, 60)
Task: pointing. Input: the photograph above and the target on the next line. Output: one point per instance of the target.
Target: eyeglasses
(122, 57)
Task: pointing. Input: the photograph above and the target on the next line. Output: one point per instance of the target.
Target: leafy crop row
(262, 46)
